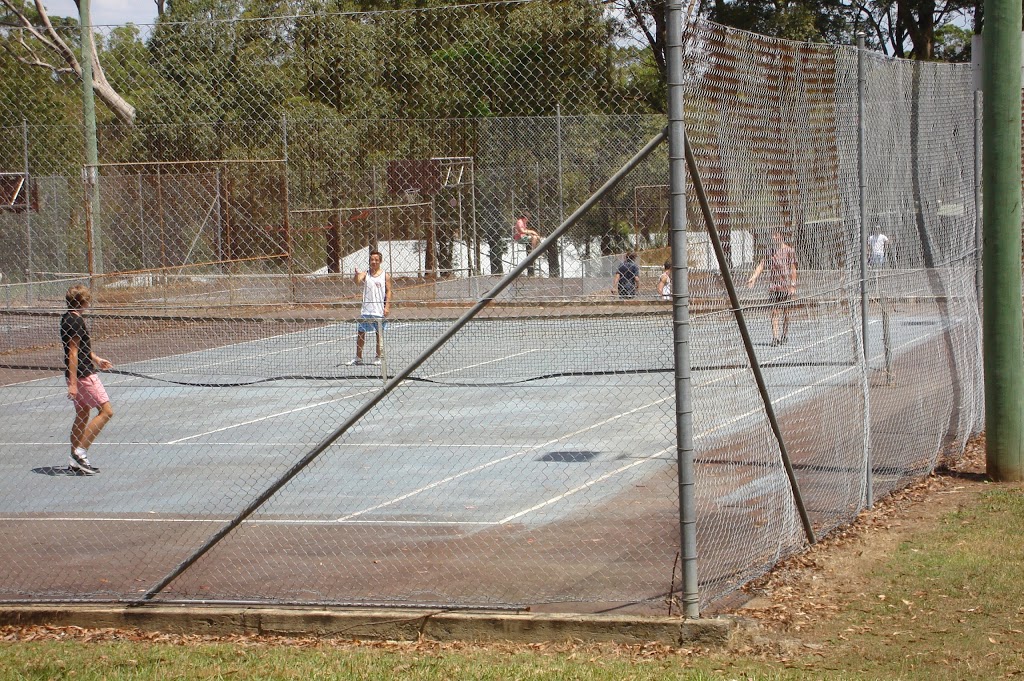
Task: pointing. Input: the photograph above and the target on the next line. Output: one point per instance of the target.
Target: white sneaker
(376, 361)
(81, 466)
(358, 361)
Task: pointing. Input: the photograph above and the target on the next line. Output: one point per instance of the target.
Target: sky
(107, 12)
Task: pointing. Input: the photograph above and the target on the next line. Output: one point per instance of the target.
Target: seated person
(523, 234)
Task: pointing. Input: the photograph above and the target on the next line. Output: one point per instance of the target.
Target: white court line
(122, 381)
(361, 445)
(703, 434)
(495, 462)
(338, 399)
(351, 518)
(222, 521)
(580, 488)
(271, 416)
(249, 357)
(212, 348)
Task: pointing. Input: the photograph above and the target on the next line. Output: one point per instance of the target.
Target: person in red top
(522, 233)
(782, 268)
(84, 387)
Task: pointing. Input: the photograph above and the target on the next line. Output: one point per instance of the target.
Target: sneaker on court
(376, 361)
(80, 464)
(357, 361)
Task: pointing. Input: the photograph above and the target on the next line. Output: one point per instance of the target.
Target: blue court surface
(526, 427)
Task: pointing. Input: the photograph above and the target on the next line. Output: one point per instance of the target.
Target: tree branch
(33, 59)
(58, 43)
(638, 18)
(27, 25)
(50, 38)
(874, 25)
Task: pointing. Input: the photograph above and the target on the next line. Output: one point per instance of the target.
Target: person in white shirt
(665, 282)
(878, 248)
(376, 306)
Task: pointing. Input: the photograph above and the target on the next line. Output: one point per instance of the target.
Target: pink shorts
(91, 393)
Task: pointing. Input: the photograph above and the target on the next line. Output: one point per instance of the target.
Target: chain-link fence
(530, 458)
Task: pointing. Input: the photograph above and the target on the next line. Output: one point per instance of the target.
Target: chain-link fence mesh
(531, 458)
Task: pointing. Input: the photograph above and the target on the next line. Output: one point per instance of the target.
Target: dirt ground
(780, 610)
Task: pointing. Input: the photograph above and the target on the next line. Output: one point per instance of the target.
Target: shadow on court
(58, 471)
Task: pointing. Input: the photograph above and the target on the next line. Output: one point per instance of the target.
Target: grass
(946, 603)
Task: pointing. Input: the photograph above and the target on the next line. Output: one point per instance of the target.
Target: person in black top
(627, 278)
(84, 386)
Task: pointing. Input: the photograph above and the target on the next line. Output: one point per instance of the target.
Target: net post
(681, 310)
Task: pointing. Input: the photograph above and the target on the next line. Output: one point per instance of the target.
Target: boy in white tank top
(376, 306)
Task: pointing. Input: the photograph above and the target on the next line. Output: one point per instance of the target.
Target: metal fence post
(862, 247)
(30, 269)
(748, 346)
(681, 309)
(91, 151)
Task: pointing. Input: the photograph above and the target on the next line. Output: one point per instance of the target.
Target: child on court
(84, 387)
(665, 283)
(376, 306)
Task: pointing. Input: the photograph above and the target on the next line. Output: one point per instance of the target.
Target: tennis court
(516, 430)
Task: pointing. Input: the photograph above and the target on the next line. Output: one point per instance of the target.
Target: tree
(33, 39)
(919, 29)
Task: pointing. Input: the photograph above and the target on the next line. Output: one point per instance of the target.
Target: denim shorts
(369, 324)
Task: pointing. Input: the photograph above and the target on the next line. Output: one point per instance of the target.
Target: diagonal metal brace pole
(385, 390)
(741, 322)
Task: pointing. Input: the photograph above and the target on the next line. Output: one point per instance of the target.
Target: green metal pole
(1002, 335)
(91, 151)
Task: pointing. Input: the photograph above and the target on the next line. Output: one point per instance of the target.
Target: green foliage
(810, 20)
(953, 43)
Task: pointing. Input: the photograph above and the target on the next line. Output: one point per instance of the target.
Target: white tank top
(374, 292)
